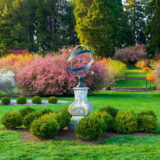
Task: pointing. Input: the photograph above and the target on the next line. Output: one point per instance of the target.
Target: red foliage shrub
(17, 51)
(132, 54)
(157, 57)
(50, 76)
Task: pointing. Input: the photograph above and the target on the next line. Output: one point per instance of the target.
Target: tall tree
(153, 27)
(135, 12)
(5, 27)
(96, 25)
(55, 25)
(37, 25)
(17, 24)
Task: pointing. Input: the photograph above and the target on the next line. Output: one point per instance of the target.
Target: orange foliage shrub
(142, 64)
(151, 77)
(146, 69)
(15, 62)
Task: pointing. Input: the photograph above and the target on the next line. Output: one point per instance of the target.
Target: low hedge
(26, 110)
(108, 119)
(6, 101)
(21, 100)
(45, 111)
(45, 127)
(126, 122)
(63, 118)
(111, 110)
(90, 128)
(52, 100)
(29, 118)
(147, 121)
(12, 119)
(36, 100)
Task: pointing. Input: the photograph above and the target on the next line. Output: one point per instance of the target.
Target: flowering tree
(132, 54)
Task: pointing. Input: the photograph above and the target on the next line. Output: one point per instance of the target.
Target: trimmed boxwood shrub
(154, 87)
(111, 110)
(108, 87)
(52, 100)
(63, 118)
(12, 119)
(147, 112)
(36, 100)
(21, 100)
(45, 111)
(108, 119)
(29, 118)
(147, 123)
(6, 101)
(90, 128)
(26, 110)
(45, 127)
(126, 122)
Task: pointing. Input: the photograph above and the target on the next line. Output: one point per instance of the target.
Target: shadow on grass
(132, 140)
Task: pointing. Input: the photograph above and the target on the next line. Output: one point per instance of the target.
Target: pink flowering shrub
(50, 76)
(132, 54)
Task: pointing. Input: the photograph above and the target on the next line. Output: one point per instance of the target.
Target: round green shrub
(52, 100)
(6, 101)
(126, 122)
(65, 110)
(108, 119)
(21, 100)
(111, 110)
(45, 127)
(90, 128)
(108, 87)
(12, 119)
(63, 118)
(29, 118)
(45, 111)
(147, 123)
(154, 87)
(147, 112)
(26, 110)
(36, 100)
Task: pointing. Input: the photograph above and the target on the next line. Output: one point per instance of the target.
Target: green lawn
(130, 83)
(118, 148)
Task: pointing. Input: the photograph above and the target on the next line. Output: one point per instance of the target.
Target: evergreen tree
(135, 12)
(36, 25)
(153, 27)
(55, 25)
(96, 25)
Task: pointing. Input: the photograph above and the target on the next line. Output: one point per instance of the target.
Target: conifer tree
(153, 27)
(96, 25)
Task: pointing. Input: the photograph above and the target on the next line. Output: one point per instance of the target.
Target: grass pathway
(134, 78)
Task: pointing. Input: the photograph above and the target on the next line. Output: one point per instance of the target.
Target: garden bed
(70, 135)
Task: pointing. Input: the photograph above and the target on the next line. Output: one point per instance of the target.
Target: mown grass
(131, 83)
(118, 148)
(132, 73)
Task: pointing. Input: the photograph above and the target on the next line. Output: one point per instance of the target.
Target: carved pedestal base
(74, 121)
(80, 107)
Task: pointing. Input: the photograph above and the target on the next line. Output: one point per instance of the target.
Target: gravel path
(44, 102)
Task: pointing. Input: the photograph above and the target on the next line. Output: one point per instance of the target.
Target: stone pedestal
(80, 107)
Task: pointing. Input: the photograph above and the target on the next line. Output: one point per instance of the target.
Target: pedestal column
(80, 108)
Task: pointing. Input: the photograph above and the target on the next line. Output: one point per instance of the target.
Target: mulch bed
(67, 134)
